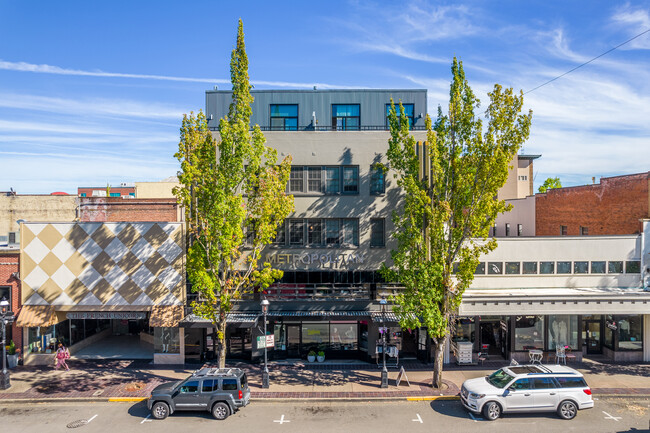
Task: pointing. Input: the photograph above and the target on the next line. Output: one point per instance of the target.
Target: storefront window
(315, 336)
(280, 337)
(77, 332)
(166, 340)
(465, 329)
(610, 328)
(44, 339)
(343, 336)
(563, 331)
(630, 336)
(529, 332)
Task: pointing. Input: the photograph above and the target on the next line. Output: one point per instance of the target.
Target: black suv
(218, 390)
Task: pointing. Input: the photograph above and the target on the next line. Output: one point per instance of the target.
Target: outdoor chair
(560, 354)
(569, 356)
(482, 357)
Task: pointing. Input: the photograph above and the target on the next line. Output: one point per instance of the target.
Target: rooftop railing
(328, 128)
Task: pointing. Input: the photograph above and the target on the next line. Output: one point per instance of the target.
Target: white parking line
(281, 420)
(95, 416)
(418, 419)
(615, 418)
(146, 419)
(471, 415)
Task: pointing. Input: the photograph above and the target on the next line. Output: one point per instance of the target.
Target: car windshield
(499, 379)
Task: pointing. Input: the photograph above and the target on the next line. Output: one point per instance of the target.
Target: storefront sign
(329, 260)
(611, 325)
(269, 340)
(119, 315)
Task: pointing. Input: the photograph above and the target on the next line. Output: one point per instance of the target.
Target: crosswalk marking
(281, 420)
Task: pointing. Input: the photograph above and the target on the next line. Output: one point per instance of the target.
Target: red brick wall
(9, 265)
(612, 207)
(115, 209)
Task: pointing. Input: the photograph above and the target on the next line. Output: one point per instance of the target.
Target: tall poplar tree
(449, 203)
(233, 192)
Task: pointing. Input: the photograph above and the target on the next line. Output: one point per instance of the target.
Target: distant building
(124, 190)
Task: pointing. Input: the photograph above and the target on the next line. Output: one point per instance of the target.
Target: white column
(646, 337)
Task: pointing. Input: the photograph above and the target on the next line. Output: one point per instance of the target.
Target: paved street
(611, 415)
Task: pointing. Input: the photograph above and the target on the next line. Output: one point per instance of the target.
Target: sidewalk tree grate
(77, 423)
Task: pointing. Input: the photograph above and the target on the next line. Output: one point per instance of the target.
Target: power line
(586, 63)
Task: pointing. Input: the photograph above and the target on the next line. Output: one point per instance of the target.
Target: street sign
(262, 342)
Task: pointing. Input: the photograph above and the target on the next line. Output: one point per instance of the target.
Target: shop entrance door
(593, 331)
(293, 341)
(492, 338)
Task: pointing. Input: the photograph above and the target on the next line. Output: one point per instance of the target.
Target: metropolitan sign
(119, 315)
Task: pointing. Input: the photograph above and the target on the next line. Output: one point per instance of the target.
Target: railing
(321, 292)
(328, 128)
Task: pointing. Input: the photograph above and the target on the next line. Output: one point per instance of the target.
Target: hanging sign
(265, 341)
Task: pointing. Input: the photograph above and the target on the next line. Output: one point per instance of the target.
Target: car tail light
(587, 391)
(241, 394)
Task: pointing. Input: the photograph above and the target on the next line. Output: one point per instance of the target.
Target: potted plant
(321, 356)
(12, 356)
(311, 356)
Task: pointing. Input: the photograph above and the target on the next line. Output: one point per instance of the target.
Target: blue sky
(93, 92)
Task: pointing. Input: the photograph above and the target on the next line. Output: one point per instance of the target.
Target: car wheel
(220, 411)
(567, 410)
(492, 410)
(160, 410)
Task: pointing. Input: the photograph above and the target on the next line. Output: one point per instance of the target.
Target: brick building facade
(611, 207)
(10, 285)
(116, 209)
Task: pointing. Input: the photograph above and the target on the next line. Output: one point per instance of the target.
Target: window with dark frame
(332, 180)
(5, 292)
(346, 117)
(377, 232)
(563, 230)
(349, 232)
(580, 267)
(507, 229)
(615, 267)
(284, 117)
(377, 180)
(520, 230)
(296, 179)
(546, 267)
(350, 179)
(409, 110)
(495, 268)
(333, 232)
(314, 232)
(512, 268)
(563, 267)
(296, 232)
(280, 235)
(584, 231)
(314, 179)
(480, 269)
(633, 267)
(598, 267)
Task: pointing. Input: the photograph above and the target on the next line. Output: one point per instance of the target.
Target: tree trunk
(221, 336)
(438, 359)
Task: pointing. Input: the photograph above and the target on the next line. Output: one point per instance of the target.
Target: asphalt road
(614, 415)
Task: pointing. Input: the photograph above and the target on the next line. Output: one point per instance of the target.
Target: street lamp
(384, 371)
(6, 317)
(265, 373)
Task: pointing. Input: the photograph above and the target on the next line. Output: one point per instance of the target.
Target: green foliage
(11, 348)
(311, 353)
(447, 211)
(550, 183)
(321, 353)
(230, 187)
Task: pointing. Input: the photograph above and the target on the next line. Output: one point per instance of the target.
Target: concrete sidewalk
(133, 380)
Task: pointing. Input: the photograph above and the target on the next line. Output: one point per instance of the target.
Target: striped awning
(31, 316)
(165, 316)
(388, 317)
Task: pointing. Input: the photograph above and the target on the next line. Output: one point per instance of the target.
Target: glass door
(293, 341)
(592, 336)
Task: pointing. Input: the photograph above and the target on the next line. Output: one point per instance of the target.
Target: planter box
(320, 358)
(311, 358)
(12, 361)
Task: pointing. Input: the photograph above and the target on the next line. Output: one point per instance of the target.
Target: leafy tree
(550, 183)
(446, 213)
(233, 192)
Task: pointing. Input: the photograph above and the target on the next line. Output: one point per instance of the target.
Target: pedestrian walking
(62, 353)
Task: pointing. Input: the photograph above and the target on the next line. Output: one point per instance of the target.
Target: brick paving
(101, 380)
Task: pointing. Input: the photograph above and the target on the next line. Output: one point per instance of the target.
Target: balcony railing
(328, 128)
(320, 292)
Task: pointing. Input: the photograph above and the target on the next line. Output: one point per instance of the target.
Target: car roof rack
(213, 371)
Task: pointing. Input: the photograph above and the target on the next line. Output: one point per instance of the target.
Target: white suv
(528, 388)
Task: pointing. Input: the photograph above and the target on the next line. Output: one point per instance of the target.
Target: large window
(166, 340)
(529, 333)
(465, 329)
(343, 335)
(408, 110)
(324, 180)
(345, 117)
(377, 232)
(630, 332)
(320, 232)
(315, 335)
(284, 117)
(377, 180)
(5, 292)
(562, 331)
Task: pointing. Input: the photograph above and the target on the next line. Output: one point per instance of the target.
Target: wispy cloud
(634, 20)
(57, 70)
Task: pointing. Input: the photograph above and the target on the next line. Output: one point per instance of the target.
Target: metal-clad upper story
(300, 110)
